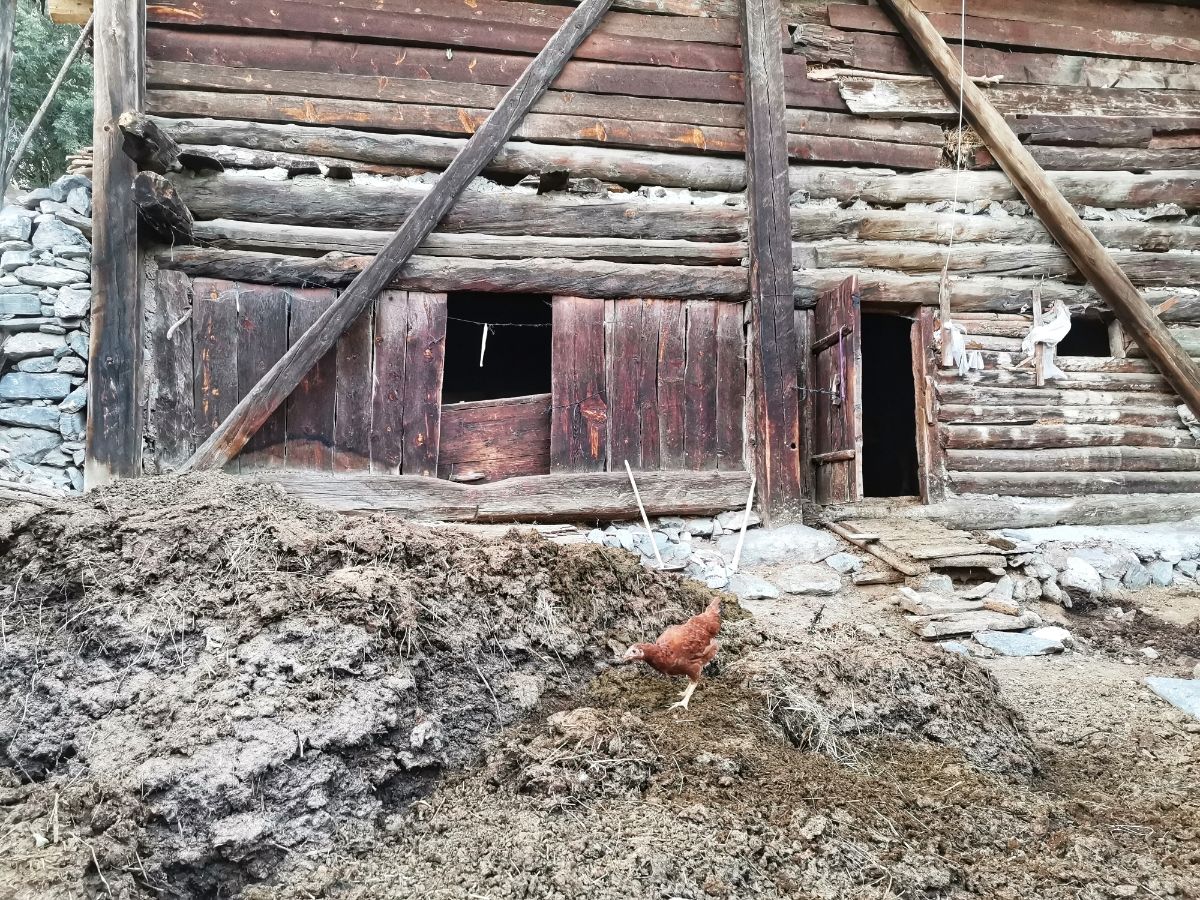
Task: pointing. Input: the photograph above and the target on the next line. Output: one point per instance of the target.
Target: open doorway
(515, 359)
(889, 419)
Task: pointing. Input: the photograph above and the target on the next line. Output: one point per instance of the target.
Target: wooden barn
(732, 239)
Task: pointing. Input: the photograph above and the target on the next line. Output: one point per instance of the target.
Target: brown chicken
(683, 649)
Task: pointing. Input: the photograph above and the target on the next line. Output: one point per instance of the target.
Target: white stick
(645, 519)
(737, 553)
(483, 345)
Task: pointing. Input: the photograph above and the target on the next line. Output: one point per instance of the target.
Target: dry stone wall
(45, 300)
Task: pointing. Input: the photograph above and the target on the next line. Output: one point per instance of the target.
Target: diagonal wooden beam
(274, 387)
(1059, 217)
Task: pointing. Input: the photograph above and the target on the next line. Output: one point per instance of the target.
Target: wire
(502, 324)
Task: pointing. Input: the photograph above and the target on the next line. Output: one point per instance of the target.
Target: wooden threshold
(541, 498)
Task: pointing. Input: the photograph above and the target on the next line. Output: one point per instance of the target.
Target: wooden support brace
(274, 387)
(1059, 217)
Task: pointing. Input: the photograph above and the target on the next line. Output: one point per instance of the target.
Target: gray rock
(1010, 643)
(27, 444)
(1026, 589)
(1054, 594)
(57, 458)
(79, 264)
(50, 209)
(1040, 570)
(698, 527)
(52, 233)
(34, 198)
(751, 587)
(789, 543)
(1161, 572)
(1052, 633)
(844, 563)
(30, 416)
(72, 426)
(1188, 568)
(12, 260)
(936, 583)
(68, 251)
(76, 400)
(52, 328)
(32, 343)
(72, 365)
(19, 305)
(1182, 693)
(1080, 580)
(978, 592)
(80, 200)
(50, 276)
(955, 647)
(732, 521)
(76, 477)
(38, 364)
(1137, 577)
(62, 186)
(807, 579)
(1110, 562)
(5, 246)
(1004, 589)
(29, 386)
(72, 303)
(14, 225)
(595, 536)
(78, 342)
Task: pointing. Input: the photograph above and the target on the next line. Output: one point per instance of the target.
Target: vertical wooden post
(114, 432)
(775, 367)
(8, 18)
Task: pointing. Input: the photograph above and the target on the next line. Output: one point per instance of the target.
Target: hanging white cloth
(1049, 334)
(964, 360)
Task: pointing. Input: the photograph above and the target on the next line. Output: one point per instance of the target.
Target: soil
(208, 690)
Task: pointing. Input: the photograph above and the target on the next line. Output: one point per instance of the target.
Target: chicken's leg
(687, 695)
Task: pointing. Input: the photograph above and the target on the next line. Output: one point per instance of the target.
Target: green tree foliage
(39, 49)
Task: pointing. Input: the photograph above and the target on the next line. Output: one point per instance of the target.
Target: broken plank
(906, 567)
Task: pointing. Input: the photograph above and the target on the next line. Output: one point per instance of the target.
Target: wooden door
(835, 392)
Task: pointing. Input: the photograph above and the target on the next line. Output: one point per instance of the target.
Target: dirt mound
(199, 677)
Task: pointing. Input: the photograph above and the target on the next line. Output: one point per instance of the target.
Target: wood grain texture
(279, 382)
(1070, 484)
(262, 338)
(490, 440)
(672, 359)
(172, 401)
(310, 408)
(214, 342)
(836, 395)
(700, 386)
(1053, 437)
(387, 410)
(115, 412)
(632, 383)
(353, 395)
(730, 376)
(424, 358)
(1084, 459)
(579, 393)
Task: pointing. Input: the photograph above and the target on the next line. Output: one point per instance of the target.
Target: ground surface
(213, 692)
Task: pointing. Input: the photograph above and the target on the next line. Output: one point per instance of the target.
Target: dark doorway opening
(1087, 337)
(516, 358)
(889, 408)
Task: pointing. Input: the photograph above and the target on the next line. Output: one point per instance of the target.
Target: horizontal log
(1073, 37)
(1148, 17)
(982, 293)
(423, 91)
(1084, 459)
(1123, 370)
(817, 148)
(1170, 267)
(814, 222)
(886, 98)
(490, 440)
(1109, 190)
(810, 122)
(160, 208)
(542, 498)
(576, 278)
(146, 144)
(1082, 381)
(232, 235)
(285, 108)
(1051, 437)
(427, 151)
(889, 53)
(1189, 338)
(1099, 158)
(1068, 484)
(965, 394)
(1052, 415)
(312, 201)
(201, 158)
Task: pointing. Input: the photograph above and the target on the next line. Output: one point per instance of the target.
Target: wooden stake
(737, 553)
(1052, 208)
(1039, 349)
(645, 519)
(274, 387)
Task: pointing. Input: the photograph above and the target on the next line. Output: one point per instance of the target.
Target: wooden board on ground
(921, 542)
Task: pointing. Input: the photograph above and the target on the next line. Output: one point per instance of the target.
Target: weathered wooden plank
(262, 338)
(1110, 190)
(234, 235)
(1084, 459)
(700, 386)
(1084, 381)
(1149, 18)
(281, 108)
(387, 411)
(489, 440)
(115, 410)
(353, 396)
(214, 339)
(836, 395)
(804, 380)
(579, 418)
(1078, 38)
(193, 77)
(625, 372)
(310, 409)
(648, 413)
(816, 148)
(638, 167)
(776, 414)
(161, 209)
(672, 357)
(591, 278)
(931, 465)
(1158, 416)
(730, 379)
(424, 357)
(172, 401)
(1100, 158)
(309, 201)
(1052, 437)
(808, 122)
(322, 337)
(1069, 484)
(884, 98)
(966, 394)
(544, 498)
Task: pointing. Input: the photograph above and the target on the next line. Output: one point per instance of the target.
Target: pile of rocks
(45, 299)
